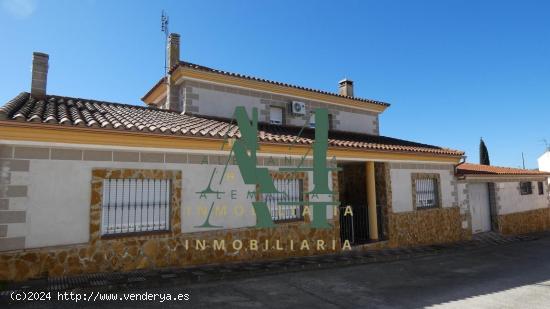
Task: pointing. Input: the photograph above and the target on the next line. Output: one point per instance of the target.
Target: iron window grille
(427, 193)
(291, 190)
(135, 206)
(541, 188)
(525, 188)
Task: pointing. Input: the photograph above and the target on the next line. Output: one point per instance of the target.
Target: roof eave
(154, 92)
(44, 132)
(501, 176)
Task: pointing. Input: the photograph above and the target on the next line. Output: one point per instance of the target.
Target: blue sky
(453, 70)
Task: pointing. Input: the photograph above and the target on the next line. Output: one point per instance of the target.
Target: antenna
(164, 28)
(523, 160)
(546, 145)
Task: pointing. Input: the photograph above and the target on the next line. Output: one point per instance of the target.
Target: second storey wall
(202, 98)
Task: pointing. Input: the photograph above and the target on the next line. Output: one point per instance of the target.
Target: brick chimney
(39, 74)
(345, 87)
(173, 50)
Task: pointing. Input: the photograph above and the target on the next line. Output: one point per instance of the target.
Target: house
(93, 186)
(544, 161)
(503, 199)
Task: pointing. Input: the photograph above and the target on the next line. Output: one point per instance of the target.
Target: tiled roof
(69, 111)
(207, 69)
(478, 169)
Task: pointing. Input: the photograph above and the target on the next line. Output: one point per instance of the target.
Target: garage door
(479, 207)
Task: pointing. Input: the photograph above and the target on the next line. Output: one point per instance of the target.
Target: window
(525, 188)
(426, 192)
(311, 123)
(312, 120)
(276, 115)
(292, 190)
(135, 205)
(541, 188)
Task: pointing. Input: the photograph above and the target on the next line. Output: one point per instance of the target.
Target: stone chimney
(345, 87)
(39, 74)
(173, 52)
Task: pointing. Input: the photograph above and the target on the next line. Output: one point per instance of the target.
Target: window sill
(289, 221)
(136, 234)
(427, 208)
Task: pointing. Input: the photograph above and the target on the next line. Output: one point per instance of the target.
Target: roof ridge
(496, 166)
(480, 169)
(209, 69)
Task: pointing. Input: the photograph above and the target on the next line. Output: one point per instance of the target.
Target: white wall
(401, 183)
(222, 104)
(357, 122)
(214, 100)
(544, 163)
(509, 199)
(59, 193)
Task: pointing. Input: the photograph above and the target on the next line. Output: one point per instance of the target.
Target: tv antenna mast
(164, 28)
(546, 145)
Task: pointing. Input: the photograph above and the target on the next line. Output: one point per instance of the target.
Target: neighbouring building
(93, 186)
(507, 200)
(544, 161)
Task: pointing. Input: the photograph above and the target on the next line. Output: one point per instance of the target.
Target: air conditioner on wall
(298, 108)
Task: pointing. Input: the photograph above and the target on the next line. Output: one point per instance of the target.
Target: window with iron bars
(525, 188)
(291, 190)
(135, 206)
(427, 193)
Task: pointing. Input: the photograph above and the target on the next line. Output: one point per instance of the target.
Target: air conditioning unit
(298, 108)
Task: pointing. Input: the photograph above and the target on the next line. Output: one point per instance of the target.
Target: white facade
(510, 200)
(474, 194)
(57, 202)
(402, 190)
(544, 162)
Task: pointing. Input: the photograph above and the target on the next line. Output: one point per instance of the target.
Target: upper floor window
(311, 123)
(312, 120)
(525, 188)
(541, 188)
(135, 205)
(275, 115)
(426, 190)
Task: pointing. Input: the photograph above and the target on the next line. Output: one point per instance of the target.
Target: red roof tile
(70, 111)
(478, 169)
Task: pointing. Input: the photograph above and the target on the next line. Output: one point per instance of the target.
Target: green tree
(483, 153)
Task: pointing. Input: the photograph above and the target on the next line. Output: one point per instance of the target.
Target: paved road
(510, 276)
